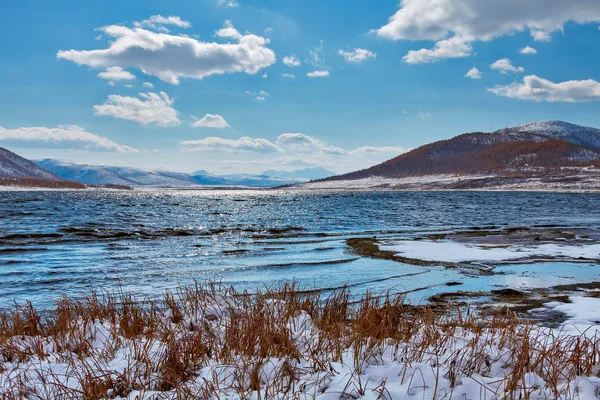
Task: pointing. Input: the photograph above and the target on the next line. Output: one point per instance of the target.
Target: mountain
(14, 166)
(113, 175)
(541, 150)
(20, 172)
(306, 174)
(581, 135)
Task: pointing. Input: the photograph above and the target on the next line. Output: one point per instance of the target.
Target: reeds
(209, 341)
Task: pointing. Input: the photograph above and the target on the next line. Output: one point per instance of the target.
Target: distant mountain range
(551, 153)
(102, 175)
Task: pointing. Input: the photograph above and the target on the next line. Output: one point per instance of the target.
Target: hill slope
(14, 166)
(538, 150)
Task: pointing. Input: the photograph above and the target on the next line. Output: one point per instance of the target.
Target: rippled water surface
(145, 241)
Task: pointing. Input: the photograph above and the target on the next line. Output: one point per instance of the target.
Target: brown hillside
(480, 153)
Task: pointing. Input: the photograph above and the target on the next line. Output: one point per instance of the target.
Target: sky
(242, 86)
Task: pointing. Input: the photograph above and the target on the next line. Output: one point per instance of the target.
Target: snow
(15, 166)
(454, 252)
(582, 135)
(583, 315)
(383, 182)
(373, 371)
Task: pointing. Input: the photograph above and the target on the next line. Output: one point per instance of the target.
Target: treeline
(41, 183)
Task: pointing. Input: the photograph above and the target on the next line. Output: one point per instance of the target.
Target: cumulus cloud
(291, 61)
(63, 136)
(116, 74)
(148, 108)
(477, 20)
(290, 148)
(210, 121)
(290, 76)
(539, 89)
(454, 47)
(172, 57)
(474, 73)
(528, 50)
(357, 55)
(243, 144)
(228, 3)
(318, 74)
(148, 85)
(299, 141)
(504, 65)
(158, 20)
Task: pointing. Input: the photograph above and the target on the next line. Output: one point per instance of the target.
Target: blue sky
(202, 84)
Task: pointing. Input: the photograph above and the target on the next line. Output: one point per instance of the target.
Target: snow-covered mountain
(542, 150)
(114, 175)
(581, 135)
(15, 166)
(306, 174)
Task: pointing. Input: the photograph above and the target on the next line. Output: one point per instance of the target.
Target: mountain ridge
(130, 176)
(532, 151)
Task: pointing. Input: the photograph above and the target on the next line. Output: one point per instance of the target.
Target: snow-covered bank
(454, 252)
(574, 180)
(214, 343)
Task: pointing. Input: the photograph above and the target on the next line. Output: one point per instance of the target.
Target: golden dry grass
(210, 341)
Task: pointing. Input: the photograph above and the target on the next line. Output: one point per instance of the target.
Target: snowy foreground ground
(214, 343)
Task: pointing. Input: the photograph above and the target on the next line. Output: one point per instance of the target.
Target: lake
(55, 242)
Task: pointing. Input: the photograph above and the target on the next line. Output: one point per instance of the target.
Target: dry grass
(209, 341)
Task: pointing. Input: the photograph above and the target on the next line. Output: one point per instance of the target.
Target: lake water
(146, 241)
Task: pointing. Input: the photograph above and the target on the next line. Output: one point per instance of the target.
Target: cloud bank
(173, 57)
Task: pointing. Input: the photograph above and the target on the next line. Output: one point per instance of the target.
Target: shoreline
(295, 189)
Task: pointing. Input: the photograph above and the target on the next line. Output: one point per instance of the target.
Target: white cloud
(116, 74)
(424, 114)
(243, 144)
(268, 31)
(265, 75)
(111, 83)
(290, 76)
(541, 36)
(291, 61)
(504, 65)
(148, 85)
(261, 95)
(172, 57)
(158, 20)
(210, 121)
(528, 50)
(479, 20)
(369, 151)
(149, 108)
(299, 141)
(318, 74)
(66, 137)
(292, 149)
(538, 89)
(228, 31)
(357, 55)
(454, 47)
(228, 3)
(129, 86)
(474, 73)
